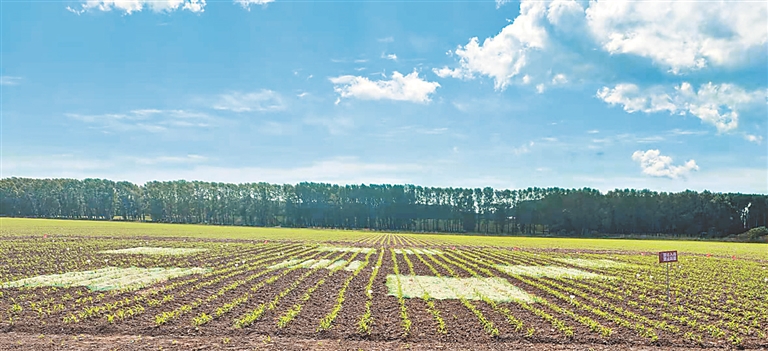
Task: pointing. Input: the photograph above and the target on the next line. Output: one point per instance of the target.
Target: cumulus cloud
(633, 99)
(446, 72)
(714, 104)
(523, 51)
(500, 3)
(259, 101)
(131, 6)
(503, 56)
(399, 88)
(753, 138)
(559, 79)
(565, 14)
(657, 165)
(246, 4)
(680, 35)
(677, 36)
(392, 57)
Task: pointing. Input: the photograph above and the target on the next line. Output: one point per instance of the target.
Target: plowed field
(369, 291)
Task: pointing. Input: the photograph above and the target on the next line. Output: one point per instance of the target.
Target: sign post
(668, 257)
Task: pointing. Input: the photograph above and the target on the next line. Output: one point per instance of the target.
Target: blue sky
(605, 94)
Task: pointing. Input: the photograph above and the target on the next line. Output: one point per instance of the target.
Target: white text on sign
(667, 256)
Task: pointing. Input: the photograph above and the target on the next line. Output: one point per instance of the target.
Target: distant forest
(565, 212)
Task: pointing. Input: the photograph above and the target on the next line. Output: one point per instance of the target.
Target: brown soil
(464, 328)
(25, 341)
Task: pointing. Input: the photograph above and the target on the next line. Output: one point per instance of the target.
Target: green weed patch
(549, 272)
(109, 278)
(346, 249)
(353, 266)
(442, 288)
(599, 263)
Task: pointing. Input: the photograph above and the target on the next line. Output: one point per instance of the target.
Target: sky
(666, 96)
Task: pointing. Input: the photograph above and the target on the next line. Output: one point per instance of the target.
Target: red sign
(667, 256)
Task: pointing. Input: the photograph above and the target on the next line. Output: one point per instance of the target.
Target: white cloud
(337, 170)
(392, 57)
(446, 72)
(148, 120)
(523, 48)
(633, 99)
(344, 60)
(629, 138)
(276, 128)
(500, 3)
(714, 104)
(727, 179)
(503, 56)
(409, 131)
(433, 131)
(540, 88)
(488, 104)
(708, 102)
(8, 80)
(593, 131)
(565, 14)
(246, 4)
(680, 35)
(170, 159)
(260, 101)
(649, 139)
(195, 5)
(686, 132)
(334, 125)
(386, 40)
(463, 107)
(657, 165)
(523, 149)
(559, 79)
(753, 138)
(52, 166)
(400, 88)
(131, 6)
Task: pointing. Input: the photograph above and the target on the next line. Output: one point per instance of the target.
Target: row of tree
(574, 212)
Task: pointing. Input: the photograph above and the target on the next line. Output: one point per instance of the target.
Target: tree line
(565, 212)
